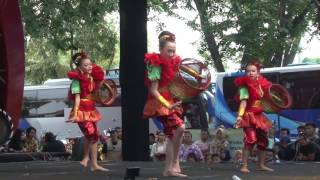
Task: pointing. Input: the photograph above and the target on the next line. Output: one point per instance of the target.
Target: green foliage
(309, 60)
(239, 30)
(54, 30)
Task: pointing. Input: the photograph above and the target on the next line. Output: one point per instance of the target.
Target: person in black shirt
(51, 144)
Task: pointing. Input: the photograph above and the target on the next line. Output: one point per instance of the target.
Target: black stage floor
(71, 170)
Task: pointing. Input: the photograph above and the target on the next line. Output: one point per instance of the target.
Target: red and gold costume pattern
(86, 114)
(254, 123)
(153, 107)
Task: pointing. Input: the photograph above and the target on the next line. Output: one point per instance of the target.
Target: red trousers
(171, 123)
(254, 136)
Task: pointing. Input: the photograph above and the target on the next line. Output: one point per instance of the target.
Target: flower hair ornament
(167, 37)
(76, 58)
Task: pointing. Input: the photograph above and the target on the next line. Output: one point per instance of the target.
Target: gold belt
(88, 97)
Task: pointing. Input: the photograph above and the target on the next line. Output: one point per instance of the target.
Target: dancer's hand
(71, 119)
(237, 124)
(176, 104)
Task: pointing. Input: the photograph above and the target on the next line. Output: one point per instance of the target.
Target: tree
(311, 60)
(240, 30)
(54, 30)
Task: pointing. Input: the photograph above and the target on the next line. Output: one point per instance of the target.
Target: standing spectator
(51, 144)
(204, 142)
(114, 147)
(158, 149)
(188, 147)
(31, 143)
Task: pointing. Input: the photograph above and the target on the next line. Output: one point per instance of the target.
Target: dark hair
(165, 37)
(78, 57)
(188, 132)
(30, 129)
(254, 62)
(49, 137)
(17, 134)
(285, 129)
(300, 127)
(311, 124)
(205, 130)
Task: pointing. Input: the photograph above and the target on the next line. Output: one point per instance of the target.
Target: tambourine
(107, 92)
(276, 99)
(192, 78)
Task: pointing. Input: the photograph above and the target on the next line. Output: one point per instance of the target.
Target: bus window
(304, 88)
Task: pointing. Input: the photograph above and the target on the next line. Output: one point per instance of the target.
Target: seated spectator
(16, 142)
(284, 132)
(283, 149)
(225, 155)
(216, 158)
(51, 144)
(31, 143)
(253, 155)
(192, 158)
(119, 131)
(220, 145)
(158, 149)
(104, 147)
(114, 147)
(188, 147)
(238, 158)
(308, 151)
(204, 142)
(212, 159)
(311, 134)
(152, 140)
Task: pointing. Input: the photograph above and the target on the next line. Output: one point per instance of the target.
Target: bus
(46, 107)
(301, 81)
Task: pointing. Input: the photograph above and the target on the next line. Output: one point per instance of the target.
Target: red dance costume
(254, 123)
(153, 108)
(87, 115)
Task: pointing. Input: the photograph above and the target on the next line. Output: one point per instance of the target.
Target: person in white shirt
(158, 149)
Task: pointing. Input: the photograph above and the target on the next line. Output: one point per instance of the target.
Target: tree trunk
(208, 36)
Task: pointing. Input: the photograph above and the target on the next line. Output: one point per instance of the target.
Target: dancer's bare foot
(84, 162)
(244, 169)
(99, 168)
(173, 174)
(176, 167)
(264, 168)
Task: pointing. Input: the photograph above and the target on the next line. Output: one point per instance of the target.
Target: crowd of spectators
(207, 149)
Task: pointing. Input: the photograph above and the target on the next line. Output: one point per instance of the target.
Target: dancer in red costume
(85, 80)
(161, 70)
(252, 88)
